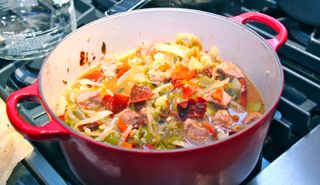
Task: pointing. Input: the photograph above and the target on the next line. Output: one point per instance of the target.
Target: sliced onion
(150, 120)
(89, 82)
(108, 128)
(113, 122)
(180, 143)
(162, 87)
(236, 83)
(216, 85)
(188, 39)
(109, 69)
(222, 135)
(88, 132)
(124, 76)
(89, 113)
(170, 49)
(72, 97)
(108, 92)
(214, 53)
(78, 113)
(96, 117)
(105, 133)
(126, 55)
(126, 133)
(71, 116)
(61, 106)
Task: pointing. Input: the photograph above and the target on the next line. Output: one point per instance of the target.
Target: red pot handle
(49, 131)
(276, 42)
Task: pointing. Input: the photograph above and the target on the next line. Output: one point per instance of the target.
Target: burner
(24, 75)
(314, 43)
(306, 35)
(300, 32)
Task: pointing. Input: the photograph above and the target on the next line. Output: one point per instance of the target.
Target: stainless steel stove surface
(294, 131)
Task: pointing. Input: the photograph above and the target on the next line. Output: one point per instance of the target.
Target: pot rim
(253, 126)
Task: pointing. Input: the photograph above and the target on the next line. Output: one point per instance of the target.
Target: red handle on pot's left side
(282, 35)
(49, 131)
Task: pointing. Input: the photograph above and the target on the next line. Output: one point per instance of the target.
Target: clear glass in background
(29, 29)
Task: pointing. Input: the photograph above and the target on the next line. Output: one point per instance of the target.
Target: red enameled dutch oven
(228, 161)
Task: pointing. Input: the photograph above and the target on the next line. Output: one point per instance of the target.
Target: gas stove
(294, 125)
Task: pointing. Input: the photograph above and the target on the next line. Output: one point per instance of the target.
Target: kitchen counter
(300, 165)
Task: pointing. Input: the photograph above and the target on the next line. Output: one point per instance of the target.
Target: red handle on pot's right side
(52, 130)
(276, 42)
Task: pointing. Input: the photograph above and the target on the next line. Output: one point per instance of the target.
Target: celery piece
(113, 139)
(231, 90)
(171, 146)
(253, 106)
(171, 135)
(211, 109)
(70, 122)
(137, 137)
(162, 147)
(143, 136)
(156, 140)
(204, 81)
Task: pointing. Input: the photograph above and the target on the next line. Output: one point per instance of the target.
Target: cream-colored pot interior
(126, 31)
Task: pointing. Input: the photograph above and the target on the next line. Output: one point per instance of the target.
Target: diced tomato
(122, 69)
(210, 128)
(140, 93)
(164, 67)
(243, 92)
(116, 103)
(177, 83)
(188, 90)
(192, 108)
(61, 117)
(217, 94)
(182, 73)
(235, 118)
(108, 102)
(96, 75)
(126, 145)
(120, 102)
(122, 126)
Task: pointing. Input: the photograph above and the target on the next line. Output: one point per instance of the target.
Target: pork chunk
(222, 117)
(116, 103)
(236, 107)
(223, 104)
(192, 108)
(140, 93)
(194, 132)
(89, 99)
(130, 117)
(230, 70)
(158, 77)
(208, 71)
(251, 117)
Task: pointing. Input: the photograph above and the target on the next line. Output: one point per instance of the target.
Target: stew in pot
(162, 96)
